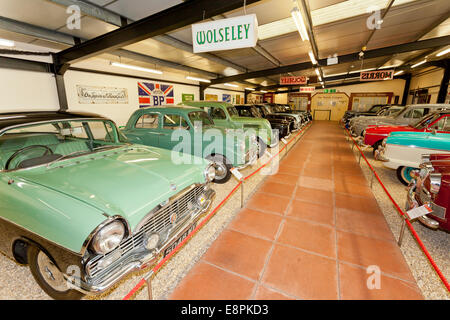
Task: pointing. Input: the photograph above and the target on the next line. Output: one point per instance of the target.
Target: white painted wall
(121, 112)
(26, 91)
(429, 79)
(395, 86)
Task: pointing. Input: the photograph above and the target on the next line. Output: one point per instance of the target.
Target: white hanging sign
(225, 34)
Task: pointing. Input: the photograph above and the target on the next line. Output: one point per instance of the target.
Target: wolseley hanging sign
(377, 75)
(225, 34)
(293, 80)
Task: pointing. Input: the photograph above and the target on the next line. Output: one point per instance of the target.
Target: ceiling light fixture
(398, 72)
(128, 66)
(263, 91)
(230, 85)
(198, 79)
(313, 59)
(250, 89)
(317, 71)
(299, 23)
(6, 43)
(419, 63)
(443, 52)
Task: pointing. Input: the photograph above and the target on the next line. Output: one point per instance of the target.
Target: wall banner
(211, 97)
(187, 97)
(155, 94)
(101, 95)
(226, 97)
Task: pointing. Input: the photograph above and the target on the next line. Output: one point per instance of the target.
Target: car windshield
(201, 116)
(375, 108)
(255, 112)
(49, 142)
(425, 121)
(232, 111)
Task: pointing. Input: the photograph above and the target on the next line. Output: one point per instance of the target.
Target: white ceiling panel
(138, 9)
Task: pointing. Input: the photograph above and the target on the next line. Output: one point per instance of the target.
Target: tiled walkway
(309, 232)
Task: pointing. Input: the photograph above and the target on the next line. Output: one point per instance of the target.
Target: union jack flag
(154, 94)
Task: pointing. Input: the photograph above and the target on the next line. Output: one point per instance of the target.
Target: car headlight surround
(108, 238)
(210, 173)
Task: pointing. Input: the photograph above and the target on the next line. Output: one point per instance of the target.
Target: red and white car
(439, 121)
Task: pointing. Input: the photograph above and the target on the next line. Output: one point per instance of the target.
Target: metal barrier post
(371, 181)
(359, 160)
(242, 193)
(149, 288)
(402, 232)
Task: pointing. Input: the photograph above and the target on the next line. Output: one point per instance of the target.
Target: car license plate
(183, 236)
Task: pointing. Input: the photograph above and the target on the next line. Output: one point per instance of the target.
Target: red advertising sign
(307, 89)
(377, 75)
(293, 80)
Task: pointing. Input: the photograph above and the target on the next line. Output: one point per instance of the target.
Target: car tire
(37, 260)
(404, 174)
(261, 147)
(223, 167)
(375, 147)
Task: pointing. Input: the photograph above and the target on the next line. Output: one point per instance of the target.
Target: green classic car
(164, 126)
(225, 115)
(83, 207)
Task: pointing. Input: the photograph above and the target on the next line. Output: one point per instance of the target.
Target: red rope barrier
(208, 217)
(402, 213)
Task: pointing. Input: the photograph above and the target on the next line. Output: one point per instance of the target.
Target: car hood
(249, 122)
(296, 116)
(428, 140)
(129, 181)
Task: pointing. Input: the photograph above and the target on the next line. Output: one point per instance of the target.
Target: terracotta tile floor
(309, 232)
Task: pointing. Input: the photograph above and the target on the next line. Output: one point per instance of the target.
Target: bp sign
(225, 34)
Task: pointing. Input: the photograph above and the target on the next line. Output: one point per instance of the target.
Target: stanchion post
(359, 160)
(242, 193)
(402, 232)
(149, 288)
(371, 181)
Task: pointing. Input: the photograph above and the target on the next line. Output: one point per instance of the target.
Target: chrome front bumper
(140, 258)
(412, 203)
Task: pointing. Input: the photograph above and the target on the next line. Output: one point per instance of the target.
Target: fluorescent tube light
(398, 72)
(198, 79)
(443, 52)
(250, 89)
(317, 71)
(230, 85)
(419, 63)
(128, 66)
(263, 91)
(311, 56)
(6, 43)
(299, 23)
(340, 11)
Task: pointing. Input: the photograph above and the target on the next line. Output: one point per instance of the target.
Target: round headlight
(210, 173)
(108, 238)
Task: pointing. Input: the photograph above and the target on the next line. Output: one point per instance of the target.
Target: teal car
(83, 207)
(190, 130)
(225, 115)
(403, 151)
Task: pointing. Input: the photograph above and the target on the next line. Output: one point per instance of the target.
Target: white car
(403, 151)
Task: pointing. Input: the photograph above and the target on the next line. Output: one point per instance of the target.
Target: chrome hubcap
(221, 170)
(51, 273)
